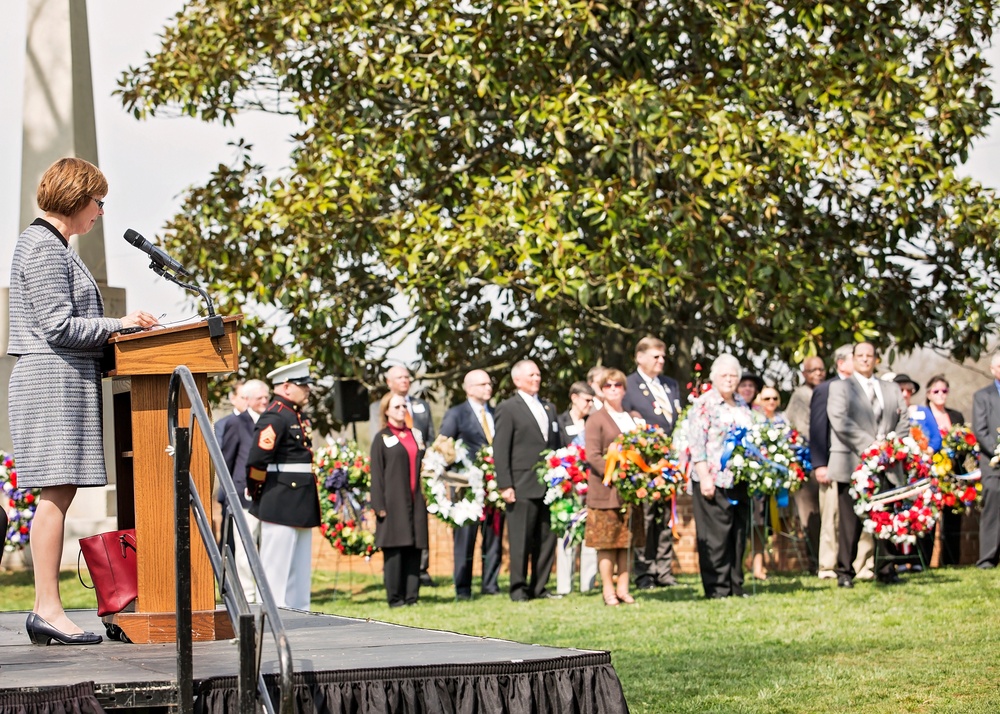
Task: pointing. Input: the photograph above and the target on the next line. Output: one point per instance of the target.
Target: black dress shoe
(546, 595)
(889, 579)
(645, 585)
(519, 597)
(985, 566)
(463, 596)
(667, 582)
(843, 581)
(426, 581)
(42, 633)
(491, 592)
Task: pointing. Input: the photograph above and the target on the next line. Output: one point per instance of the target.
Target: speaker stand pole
(354, 429)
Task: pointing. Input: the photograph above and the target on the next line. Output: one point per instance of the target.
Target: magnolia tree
(556, 179)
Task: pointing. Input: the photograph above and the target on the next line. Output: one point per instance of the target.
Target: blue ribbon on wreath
(347, 506)
(740, 436)
(580, 516)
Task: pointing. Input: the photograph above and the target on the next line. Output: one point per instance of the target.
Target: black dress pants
(492, 550)
(464, 539)
(654, 562)
(532, 543)
(721, 526)
(849, 532)
(951, 536)
(401, 574)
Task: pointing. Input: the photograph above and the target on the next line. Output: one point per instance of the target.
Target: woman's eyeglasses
(613, 384)
(939, 391)
(769, 399)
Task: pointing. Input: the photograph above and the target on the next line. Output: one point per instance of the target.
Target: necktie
(876, 406)
(486, 426)
(660, 395)
(408, 417)
(540, 416)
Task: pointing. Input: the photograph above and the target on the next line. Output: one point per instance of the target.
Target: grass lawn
(797, 645)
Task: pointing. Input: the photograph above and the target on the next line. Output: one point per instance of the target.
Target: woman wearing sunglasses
(766, 404)
(945, 417)
(610, 528)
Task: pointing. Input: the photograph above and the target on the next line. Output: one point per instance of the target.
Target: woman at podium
(57, 332)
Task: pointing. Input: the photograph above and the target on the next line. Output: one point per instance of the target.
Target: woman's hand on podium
(139, 318)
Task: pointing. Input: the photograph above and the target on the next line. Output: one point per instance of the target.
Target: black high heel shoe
(42, 633)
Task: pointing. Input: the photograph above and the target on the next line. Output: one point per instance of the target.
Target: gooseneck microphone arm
(165, 266)
(215, 326)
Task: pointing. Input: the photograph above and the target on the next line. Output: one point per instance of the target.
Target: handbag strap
(126, 541)
(79, 574)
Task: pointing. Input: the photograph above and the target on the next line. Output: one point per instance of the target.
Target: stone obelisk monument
(58, 121)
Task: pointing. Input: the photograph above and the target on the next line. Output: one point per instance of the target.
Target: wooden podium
(141, 365)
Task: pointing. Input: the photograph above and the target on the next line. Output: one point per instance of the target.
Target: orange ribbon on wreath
(618, 457)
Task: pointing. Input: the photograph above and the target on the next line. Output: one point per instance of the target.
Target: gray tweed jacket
(55, 305)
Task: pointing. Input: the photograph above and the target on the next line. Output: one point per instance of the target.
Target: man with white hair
(985, 421)
(472, 422)
(236, 442)
(526, 426)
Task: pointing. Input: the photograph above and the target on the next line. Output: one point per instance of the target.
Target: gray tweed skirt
(55, 409)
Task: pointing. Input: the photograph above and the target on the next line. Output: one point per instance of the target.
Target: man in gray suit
(862, 410)
(985, 420)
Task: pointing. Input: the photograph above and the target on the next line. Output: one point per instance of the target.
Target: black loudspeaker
(350, 401)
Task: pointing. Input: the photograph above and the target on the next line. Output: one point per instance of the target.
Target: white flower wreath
(453, 487)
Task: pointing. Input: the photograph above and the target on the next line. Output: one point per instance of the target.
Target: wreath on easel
(903, 513)
(344, 475)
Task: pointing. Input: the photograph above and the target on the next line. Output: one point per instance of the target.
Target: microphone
(157, 255)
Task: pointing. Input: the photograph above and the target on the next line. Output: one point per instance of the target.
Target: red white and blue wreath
(903, 513)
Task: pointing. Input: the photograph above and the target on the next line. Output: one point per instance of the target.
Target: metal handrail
(249, 631)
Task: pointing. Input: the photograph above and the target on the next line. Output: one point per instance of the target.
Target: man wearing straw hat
(283, 487)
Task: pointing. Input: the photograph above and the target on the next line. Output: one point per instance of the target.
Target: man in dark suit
(236, 442)
(472, 422)
(526, 426)
(238, 401)
(418, 418)
(657, 399)
(985, 420)
(862, 409)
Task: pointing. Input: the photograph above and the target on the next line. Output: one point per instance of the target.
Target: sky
(150, 163)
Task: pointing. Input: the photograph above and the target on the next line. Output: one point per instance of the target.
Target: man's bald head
(478, 386)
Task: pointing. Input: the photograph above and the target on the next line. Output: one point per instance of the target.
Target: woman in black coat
(398, 500)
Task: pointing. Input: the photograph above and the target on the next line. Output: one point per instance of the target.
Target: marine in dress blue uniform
(281, 481)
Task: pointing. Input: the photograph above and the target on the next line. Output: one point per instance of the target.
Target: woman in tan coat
(611, 529)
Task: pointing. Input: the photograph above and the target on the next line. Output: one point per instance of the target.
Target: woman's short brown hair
(68, 185)
(383, 409)
(613, 375)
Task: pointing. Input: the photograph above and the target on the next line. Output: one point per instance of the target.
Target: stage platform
(341, 664)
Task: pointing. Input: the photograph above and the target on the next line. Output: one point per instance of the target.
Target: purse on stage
(111, 560)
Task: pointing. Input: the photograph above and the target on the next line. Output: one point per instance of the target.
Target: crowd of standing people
(840, 417)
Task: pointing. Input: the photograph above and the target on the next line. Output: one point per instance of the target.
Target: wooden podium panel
(148, 359)
(162, 351)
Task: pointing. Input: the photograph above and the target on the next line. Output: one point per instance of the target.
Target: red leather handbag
(111, 560)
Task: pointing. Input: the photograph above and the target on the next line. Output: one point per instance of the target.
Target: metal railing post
(182, 546)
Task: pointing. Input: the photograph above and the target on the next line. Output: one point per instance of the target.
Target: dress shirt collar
(529, 398)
